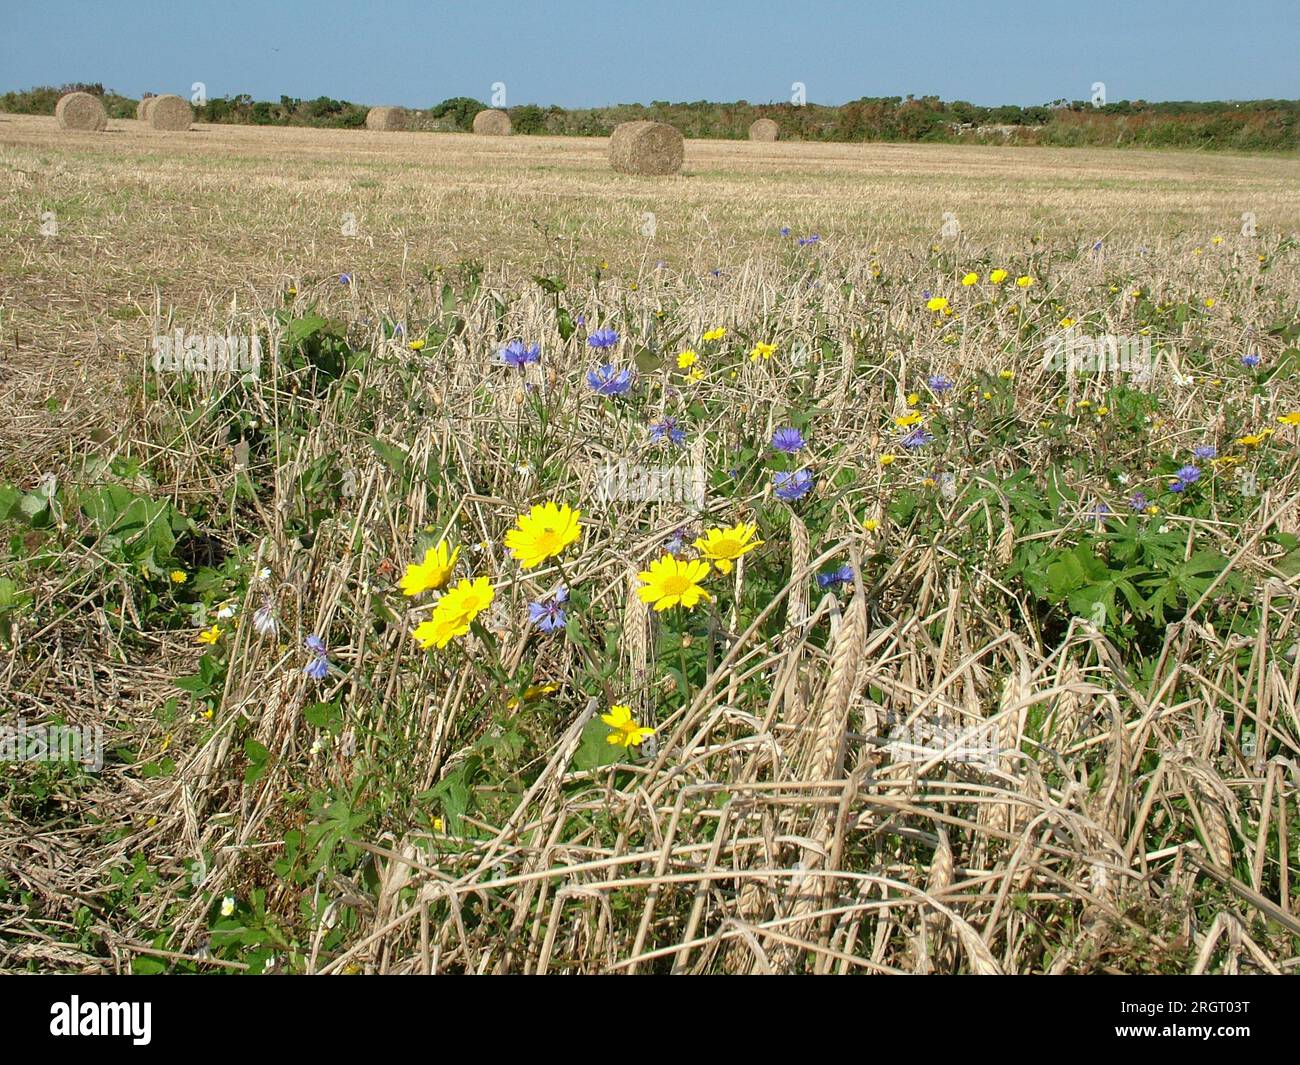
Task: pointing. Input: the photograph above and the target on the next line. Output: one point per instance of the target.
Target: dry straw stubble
(386, 119)
(81, 111)
(170, 114)
(646, 148)
(492, 123)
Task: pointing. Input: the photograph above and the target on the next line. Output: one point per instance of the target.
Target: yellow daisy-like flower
(1290, 419)
(1216, 241)
(543, 533)
(418, 345)
(670, 582)
(970, 279)
(715, 334)
(1153, 509)
(904, 421)
(686, 359)
(762, 351)
(455, 612)
(937, 303)
(1024, 281)
(625, 731)
(1006, 375)
(886, 460)
(1066, 323)
(1254, 439)
(210, 636)
(998, 276)
(432, 573)
(1209, 301)
(871, 524)
(697, 375)
(723, 546)
(913, 398)
(179, 576)
(531, 694)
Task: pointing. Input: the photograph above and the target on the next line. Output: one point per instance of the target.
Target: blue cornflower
(603, 338)
(548, 614)
(811, 239)
(676, 544)
(609, 382)
(1188, 474)
(1205, 451)
(938, 383)
(345, 279)
(788, 440)
(918, 437)
(581, 321)
(792, 486)
(319, 666)
(1250, 361)
(785, 231)
(667, 429)
(1139, 502)
(518, 354)
(835, 577)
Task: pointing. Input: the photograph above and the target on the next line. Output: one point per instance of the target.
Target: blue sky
(585, 53)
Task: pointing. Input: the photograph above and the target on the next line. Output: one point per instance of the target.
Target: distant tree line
(1254, 125)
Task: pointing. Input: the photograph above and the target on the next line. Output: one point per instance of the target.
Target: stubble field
(986, 664)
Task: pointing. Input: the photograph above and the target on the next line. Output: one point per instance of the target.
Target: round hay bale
(646, 148)
(492, 123)
(386, 118)
(142, 108)
(80, 110)
(170, 114)
(764, 129)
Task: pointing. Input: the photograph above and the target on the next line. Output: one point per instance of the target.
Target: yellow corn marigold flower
(418, 345)
(1254, 439)
(1006, 375)
(1290, 419)
(454, 613)
(625, 732)
(430, 574)
(543, 533)
(1216, 241)
(210, 636)
(697, 375)
(179, 576)
(1153, 509)
(723, 546)
(670, 582)
(871, 524)
(761, 350)
(686, 359)
(886, 460)
(1209, 301)
(937, 303)
(913, 399)
(970, 279)
(715, 334)
(1024, 281)
(1066, 323)
(998, 276)
(910, 418)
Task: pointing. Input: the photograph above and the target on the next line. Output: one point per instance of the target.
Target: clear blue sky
(586, 53)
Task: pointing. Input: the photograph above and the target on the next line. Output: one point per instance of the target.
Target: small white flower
(1123, 478)
(227, 610)
(1165, 527)
(264, 574)
(315, 747)
(227, 905)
